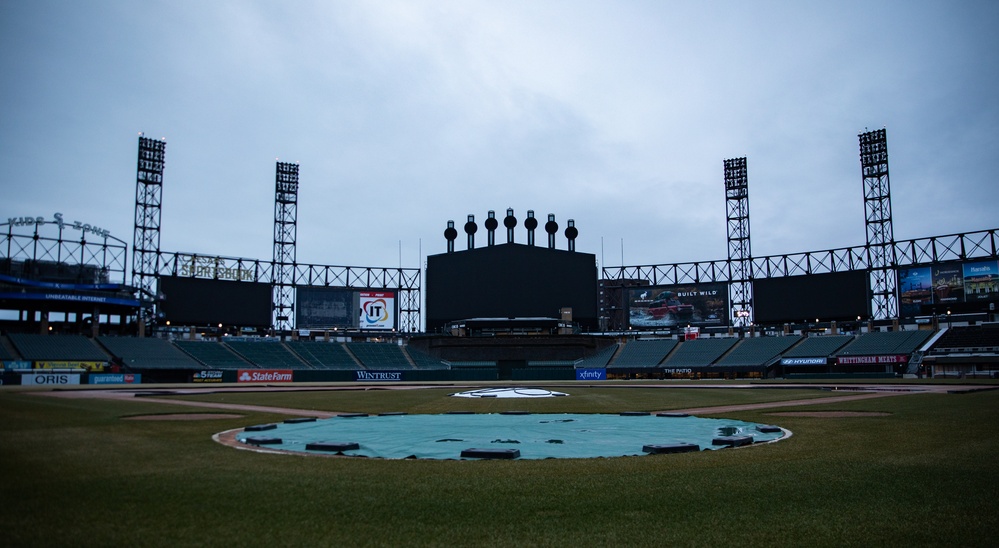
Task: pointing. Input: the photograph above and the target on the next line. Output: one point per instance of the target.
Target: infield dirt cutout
(830, 414)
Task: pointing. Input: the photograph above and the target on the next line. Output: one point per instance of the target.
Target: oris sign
(50, 379)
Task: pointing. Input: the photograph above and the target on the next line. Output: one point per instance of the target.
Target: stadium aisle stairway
(644, 353)
(147, 353)
(267, 355)
(757, 351)
(213, 355)
(324, 355)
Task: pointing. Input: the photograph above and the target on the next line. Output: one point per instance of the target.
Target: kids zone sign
(377, 310)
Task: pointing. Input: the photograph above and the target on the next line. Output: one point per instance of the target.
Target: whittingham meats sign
(889, 359)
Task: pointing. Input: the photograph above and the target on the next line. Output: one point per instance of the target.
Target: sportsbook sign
(263, 375)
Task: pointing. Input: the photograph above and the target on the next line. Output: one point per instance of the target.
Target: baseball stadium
(509, 392)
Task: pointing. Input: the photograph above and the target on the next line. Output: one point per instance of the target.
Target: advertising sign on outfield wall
(804, 361)
(208, 375)
(50, 379)
(379, 375)
(591, 374)
(263, 375)
(889, 359)
(114, 378)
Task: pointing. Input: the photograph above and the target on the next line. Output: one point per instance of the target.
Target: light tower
(740, 257)
(285, 233)
(880, 236)
(148, 212)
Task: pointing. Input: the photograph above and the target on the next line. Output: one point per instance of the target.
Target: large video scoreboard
(197, 301)
(839, 296)
(345, 308)
(511, 281)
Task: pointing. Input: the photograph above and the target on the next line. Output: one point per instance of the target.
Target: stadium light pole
(878, 220)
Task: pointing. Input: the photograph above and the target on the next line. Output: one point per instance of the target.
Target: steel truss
(406, 281)
(878, 223)
(148, 211)
(922, 251)
(107, 254)
(739, 252)
(285, 235)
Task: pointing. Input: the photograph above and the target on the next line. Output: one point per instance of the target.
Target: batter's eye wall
(840, 296)
(510, 280)
(194, 301)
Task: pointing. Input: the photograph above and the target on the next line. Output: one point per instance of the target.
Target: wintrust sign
(379, 375)
(263, 375)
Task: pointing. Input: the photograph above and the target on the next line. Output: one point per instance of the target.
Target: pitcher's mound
(510, 393)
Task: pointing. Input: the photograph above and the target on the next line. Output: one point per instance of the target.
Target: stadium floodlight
(530, 224)
(491, 224)
(470, 229)
(551, 227)
(878, 222)
(450, 234)
(571, 233)
(509, 222)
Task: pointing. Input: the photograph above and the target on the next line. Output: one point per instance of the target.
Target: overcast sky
(405, 114)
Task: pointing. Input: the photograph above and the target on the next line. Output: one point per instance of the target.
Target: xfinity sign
(591, 374)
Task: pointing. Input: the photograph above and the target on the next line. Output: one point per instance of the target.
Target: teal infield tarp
(536, 436)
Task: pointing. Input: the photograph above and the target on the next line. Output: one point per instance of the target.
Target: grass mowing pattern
(582, 400)
(75, 474)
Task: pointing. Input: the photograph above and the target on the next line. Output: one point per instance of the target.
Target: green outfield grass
(75, 473)
(583, 400)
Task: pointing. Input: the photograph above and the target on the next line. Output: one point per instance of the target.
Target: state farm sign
(264, 375)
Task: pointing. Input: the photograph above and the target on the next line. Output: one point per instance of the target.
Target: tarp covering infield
(534, 436)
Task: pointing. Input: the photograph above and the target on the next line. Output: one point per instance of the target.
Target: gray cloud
(406, 114)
